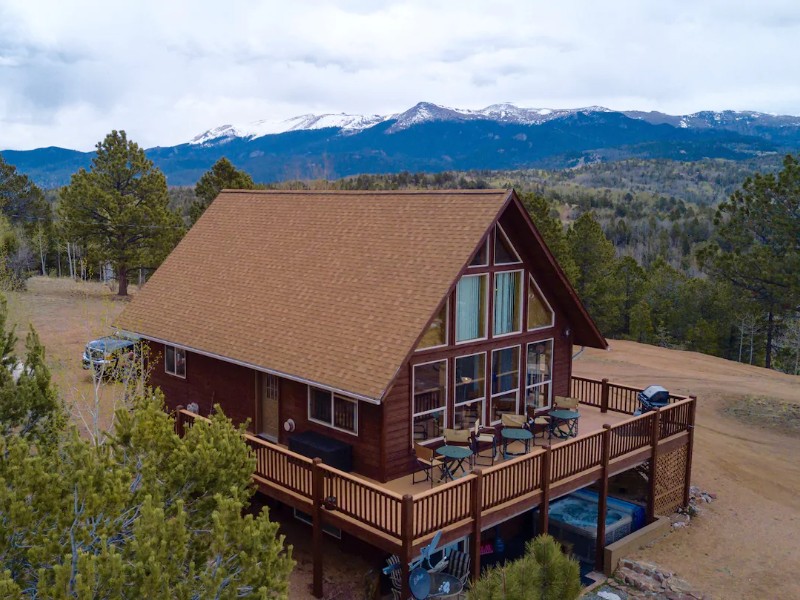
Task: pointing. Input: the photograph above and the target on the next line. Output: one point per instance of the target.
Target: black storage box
(315, 445)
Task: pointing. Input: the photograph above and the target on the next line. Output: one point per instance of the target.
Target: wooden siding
(208, 382)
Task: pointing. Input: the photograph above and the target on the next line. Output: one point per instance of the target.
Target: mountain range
(431, 138)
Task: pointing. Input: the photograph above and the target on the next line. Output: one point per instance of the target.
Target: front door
(270, 420)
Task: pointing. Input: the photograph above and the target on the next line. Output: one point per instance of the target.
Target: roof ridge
(454, 192)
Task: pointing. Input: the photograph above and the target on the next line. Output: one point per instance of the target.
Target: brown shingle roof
(330, 287)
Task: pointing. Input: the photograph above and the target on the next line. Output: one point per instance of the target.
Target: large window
(539, 312)
(507, 302)
(175, 361)
(430, 401)
(332, 410)
(436, 334)
(505, 382)
(470, 389)
(471, 308)
(539, 375)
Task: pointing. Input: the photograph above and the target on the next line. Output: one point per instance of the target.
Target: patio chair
(514, 420)
(565, 403)
(460, 437)
(458, 566)
(427, 461)
(483, 438)
(395, 576)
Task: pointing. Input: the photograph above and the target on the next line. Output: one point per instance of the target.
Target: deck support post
(179, 420)
(407, 534)
(687, 482)
(651, 475)
(604, 391)
(317, 493)
(602, 500)
(544, 512)
(475, 541)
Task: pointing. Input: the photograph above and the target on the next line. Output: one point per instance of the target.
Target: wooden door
(270, 418)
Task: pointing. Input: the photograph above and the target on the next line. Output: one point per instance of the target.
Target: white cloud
(166, 70)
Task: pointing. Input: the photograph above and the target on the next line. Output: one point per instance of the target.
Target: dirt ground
(744, 545)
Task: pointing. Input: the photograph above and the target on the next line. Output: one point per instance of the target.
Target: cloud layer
(167, 70)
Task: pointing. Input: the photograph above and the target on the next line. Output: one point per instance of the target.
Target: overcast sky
(166, 70)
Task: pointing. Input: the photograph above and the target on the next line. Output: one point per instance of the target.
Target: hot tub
(573, 520)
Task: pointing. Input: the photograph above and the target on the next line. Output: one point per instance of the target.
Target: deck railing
(402, 523)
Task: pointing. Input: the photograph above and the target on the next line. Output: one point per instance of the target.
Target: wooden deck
(400, 518)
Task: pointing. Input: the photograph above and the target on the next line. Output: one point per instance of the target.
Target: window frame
(175, 351)
(548, 383)
(520, 302)
(516, 389)
(446, 330)
(481, 399)
(500, 231)
(485, 249)
(486, 315)
(431, 411)
(333, 396)
(531, 279)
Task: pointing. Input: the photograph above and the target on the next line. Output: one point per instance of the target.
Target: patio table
(564, 417)
(513, 434)
(453, 455)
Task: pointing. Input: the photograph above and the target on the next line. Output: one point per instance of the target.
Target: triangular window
(504, 253)
(436, 334)
(539, 312)
(482, 257)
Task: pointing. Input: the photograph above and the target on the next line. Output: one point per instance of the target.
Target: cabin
(349, 326)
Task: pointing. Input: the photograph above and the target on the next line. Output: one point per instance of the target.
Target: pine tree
(552, 231)
(223, 175)
(543, 573)
(119, 209)
(757, 244)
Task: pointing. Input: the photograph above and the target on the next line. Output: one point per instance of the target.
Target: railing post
(651, 496)
(545, 477)
(602, 500)
(317, 494)
(179, 420)
(687, 483)
(475, 542)
(604, 396)
(407, 535)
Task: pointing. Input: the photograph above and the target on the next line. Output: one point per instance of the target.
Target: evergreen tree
(119, 208)
(598, 288)
(552, 231)
(223, 175)
(543, 573)
(146, 515)
(757, 243)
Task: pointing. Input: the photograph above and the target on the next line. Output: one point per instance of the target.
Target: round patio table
(514, 434)
(454, 457)
(564, 417)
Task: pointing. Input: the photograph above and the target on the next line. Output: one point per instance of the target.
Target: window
(539, 375)
(505, 382)
(332, 410)
(471, 308)
(436, 334)
(482, 257)
(504, 253)
(507, 302)
(470, 388)
(539, 312)
(430, 401)
(175, 361)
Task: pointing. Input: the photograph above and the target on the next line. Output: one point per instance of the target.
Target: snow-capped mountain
(423, 112)
(429, 137)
